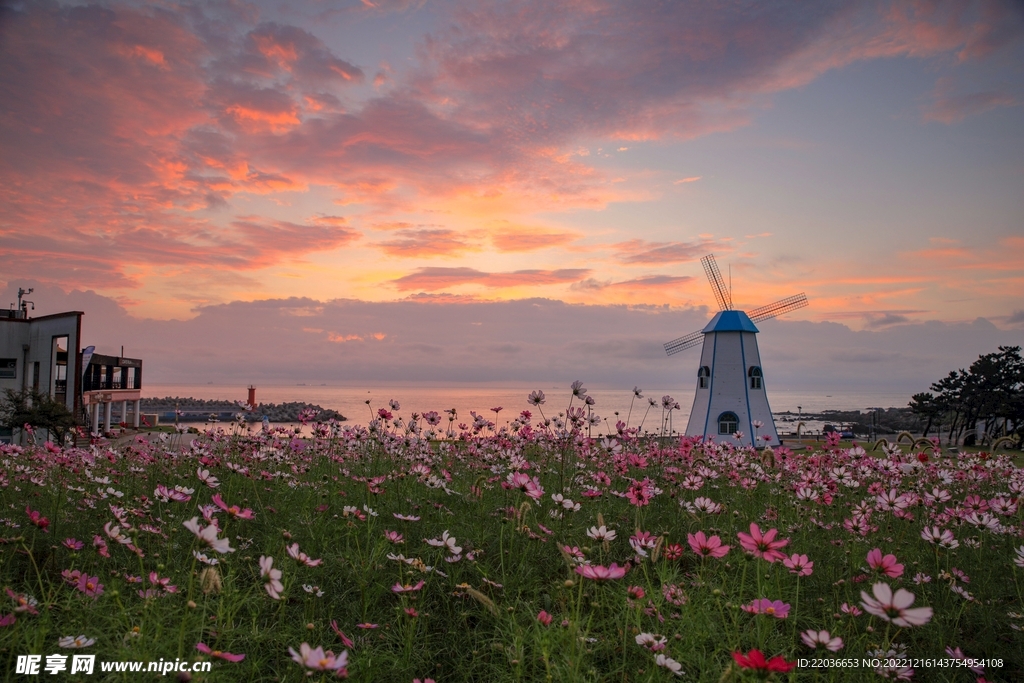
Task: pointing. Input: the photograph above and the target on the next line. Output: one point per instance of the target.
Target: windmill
(731, 394)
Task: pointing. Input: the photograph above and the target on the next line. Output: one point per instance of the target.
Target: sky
(519, 188)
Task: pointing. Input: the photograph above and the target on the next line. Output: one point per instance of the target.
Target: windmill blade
(778, 308)
(722, 294)
(683, 343)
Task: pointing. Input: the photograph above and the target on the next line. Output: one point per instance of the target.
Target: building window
(703, 375)
(755, 377)
(728, 423)
(8, 368)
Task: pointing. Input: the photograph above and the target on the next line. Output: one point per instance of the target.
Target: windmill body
(731, 394)
(731, 401)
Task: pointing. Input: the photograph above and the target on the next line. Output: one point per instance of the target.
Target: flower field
(526, 552)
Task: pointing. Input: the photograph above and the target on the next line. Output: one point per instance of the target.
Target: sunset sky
(180, 161)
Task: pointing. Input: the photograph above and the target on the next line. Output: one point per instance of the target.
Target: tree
(26, 407)
(991, 391)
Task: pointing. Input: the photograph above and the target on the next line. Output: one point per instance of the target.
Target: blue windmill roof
(730, 321)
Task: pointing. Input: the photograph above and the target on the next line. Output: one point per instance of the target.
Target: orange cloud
(530, 240)
(418, 243)
(434, 279)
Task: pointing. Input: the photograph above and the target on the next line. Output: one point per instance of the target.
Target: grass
(476, 619)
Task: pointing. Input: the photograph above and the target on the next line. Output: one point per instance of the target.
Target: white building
(731, 395)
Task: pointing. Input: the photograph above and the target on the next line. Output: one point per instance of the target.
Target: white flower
(670, 664)
(73, 643)
(208, 535)
(601, 533)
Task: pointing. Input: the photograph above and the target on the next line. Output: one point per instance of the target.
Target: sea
(358, 403)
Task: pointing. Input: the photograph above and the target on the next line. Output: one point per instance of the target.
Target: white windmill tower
(731, 394)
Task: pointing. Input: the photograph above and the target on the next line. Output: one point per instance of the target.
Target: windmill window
(755, 377)
(728, 423)
(703, 375)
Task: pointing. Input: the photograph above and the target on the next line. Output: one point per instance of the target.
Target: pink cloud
(641, 252)
(530, 240)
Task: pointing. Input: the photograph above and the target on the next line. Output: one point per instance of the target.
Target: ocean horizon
(611, 404)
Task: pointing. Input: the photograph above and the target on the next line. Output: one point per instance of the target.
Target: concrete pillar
(94, 408)
(108, 407)
(137, 406)
(124, 412)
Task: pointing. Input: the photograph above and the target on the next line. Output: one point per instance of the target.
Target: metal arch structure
(722, 294)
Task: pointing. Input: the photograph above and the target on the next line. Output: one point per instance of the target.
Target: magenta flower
(895, 607)
(318, 660)
(232, 510)
(37, 518)
(763, 545)
(90, 585)
(73, 544)
(707, 547)
(227, 656)
(885, 565)
(773, 608)
(799, 565)
(600, 573)
(544, 618)
(8, 619)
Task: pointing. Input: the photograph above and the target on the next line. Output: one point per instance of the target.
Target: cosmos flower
(601, 573)
(886, 565)
(707, 547)
(601, 533)
(226, 656)
(232, 510)
(73, 643)
(763, 545)
(318, 660)
(895, 607)
(815, 639)
(799, 565)
(756, 661)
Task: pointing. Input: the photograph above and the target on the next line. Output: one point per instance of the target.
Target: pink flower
(885, 565)
(318, 660)
(673, 551)
(22, 603)
(227, 656)
(600, 573)
(895, 607)
(301, 557)
(814, 639)
(707, 547)
(90, 585)
(544, 618)
(73, 544)
(799, 565)
(763, 545)
(773, 608)
(7, 620)
(852, 610)
(394, 537)
(341, 634)
(407, 588)
(101, 545)
(367, 625)
(233, 510)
